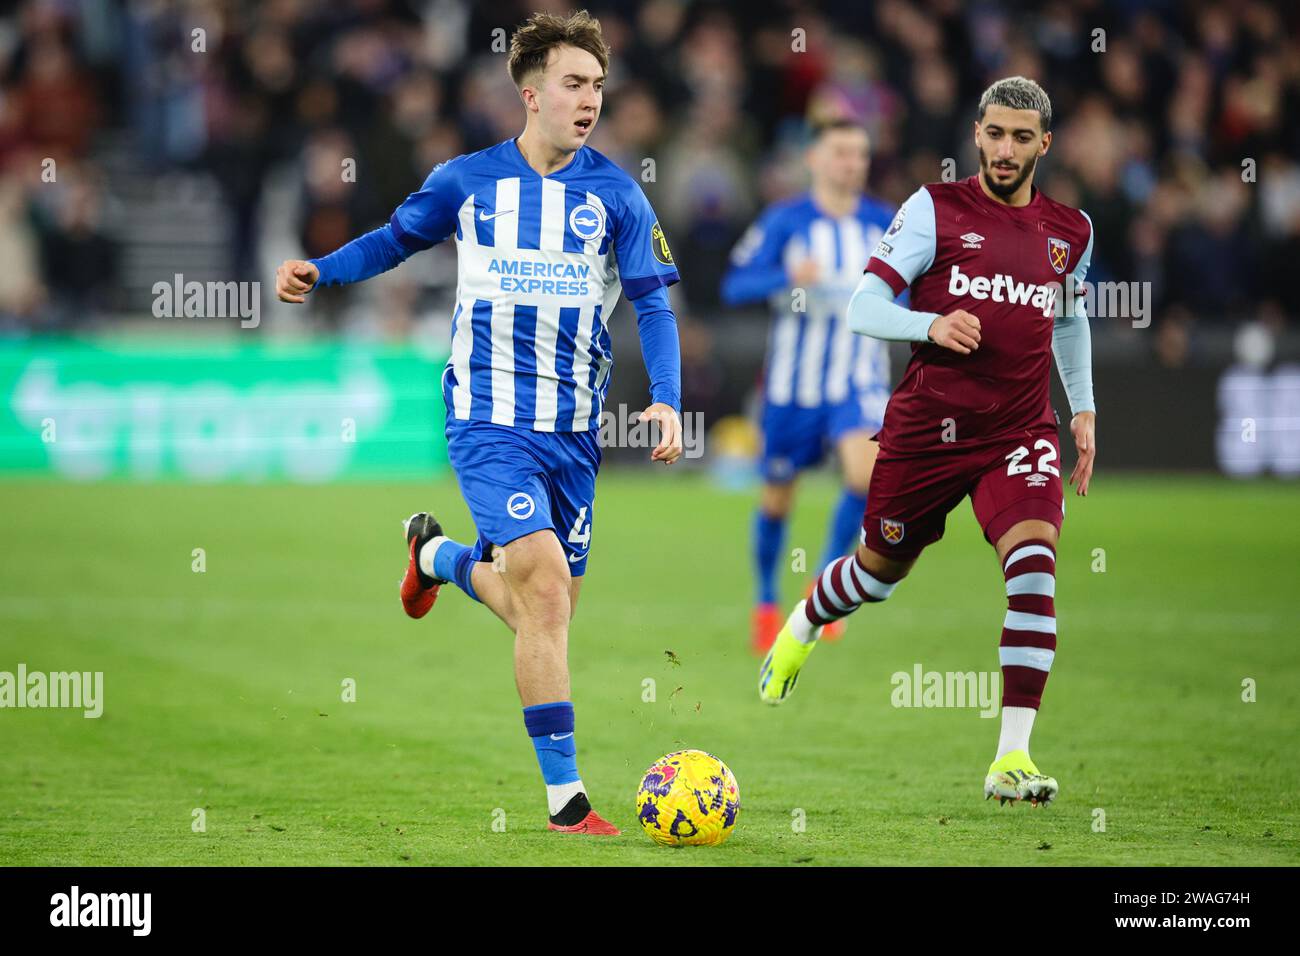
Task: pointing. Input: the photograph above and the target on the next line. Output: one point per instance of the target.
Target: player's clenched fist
(294, 279)
(805, 273)
(959, 331)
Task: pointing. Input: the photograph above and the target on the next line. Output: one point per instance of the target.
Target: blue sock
(558, 758)
(454, 562)
(769, 542)
(846, 522)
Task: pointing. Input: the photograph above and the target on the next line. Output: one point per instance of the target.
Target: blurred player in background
(994, 267)
(548, 233)
(824, 387)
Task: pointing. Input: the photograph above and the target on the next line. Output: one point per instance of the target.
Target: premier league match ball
(688, 798)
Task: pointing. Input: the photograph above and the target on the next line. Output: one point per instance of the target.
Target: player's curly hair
(1018, 93)
(532, 43)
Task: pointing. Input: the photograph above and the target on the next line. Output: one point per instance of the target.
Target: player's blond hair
(1019, 93)
(533, 42)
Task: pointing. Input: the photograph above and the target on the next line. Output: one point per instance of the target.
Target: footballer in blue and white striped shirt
(548, 234)
(824, 387)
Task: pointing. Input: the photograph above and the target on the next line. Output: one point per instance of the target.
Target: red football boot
(592, 823)
(419, 591)
(764, 626)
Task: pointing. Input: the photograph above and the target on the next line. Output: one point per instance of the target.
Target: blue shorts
(795, 438)
(517, 481)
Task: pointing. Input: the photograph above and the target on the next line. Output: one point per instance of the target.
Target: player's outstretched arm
(294, 279)
(424, 219)
(364, 257)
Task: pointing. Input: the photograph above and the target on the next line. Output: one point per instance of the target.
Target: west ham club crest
(1058, 254)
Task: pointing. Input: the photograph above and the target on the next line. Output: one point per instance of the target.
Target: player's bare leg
(536, 573)
(883, 567)
(527, 585)
(775, 501)
(857, 455)
(1027, 553)
(864, 577)
(493, 591)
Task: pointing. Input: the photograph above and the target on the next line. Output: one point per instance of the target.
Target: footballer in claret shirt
(994, 269)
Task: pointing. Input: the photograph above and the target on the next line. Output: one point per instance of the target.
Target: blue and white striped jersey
(542, 261)
(813, 358)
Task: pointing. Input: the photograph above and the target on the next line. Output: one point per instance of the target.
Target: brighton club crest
(1058, 254)
(891, 530)
(587, 222)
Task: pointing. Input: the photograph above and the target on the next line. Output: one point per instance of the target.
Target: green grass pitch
(223, 689)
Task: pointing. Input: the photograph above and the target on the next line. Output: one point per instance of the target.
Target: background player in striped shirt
(995, 268)
(823, 386)
(548, 233)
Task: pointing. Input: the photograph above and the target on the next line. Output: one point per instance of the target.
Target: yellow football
(688, 798)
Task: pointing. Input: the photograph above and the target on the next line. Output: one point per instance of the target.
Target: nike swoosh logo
(575, 558)
(562, 736)
(484, 217)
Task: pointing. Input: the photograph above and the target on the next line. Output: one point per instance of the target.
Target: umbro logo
(972, 240)
(1036, 480)
(484, 217)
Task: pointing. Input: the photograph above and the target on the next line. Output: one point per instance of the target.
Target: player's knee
(537, 572)
(776, 499)
(1023, 531)
(544, 598)
(857, 478)
(858, 459)
(887, 571)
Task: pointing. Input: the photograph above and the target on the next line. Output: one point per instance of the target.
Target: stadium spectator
(1183, 123)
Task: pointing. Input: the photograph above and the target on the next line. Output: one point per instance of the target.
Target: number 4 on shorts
(578, 537)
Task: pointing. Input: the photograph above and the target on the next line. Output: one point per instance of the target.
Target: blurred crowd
(1177, 126)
